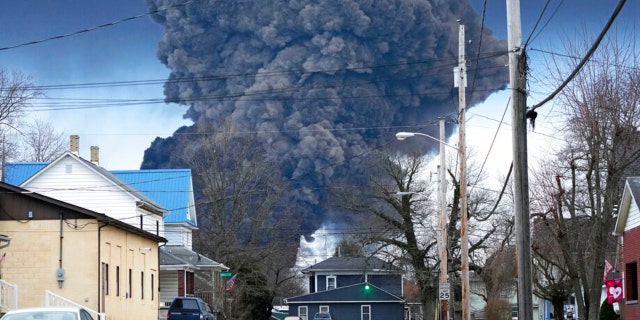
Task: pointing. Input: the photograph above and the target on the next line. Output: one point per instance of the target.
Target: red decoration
(614, 290)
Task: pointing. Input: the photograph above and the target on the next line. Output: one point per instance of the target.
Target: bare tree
(601, 107)
(402, 222)
(499, 275)
(400, 225)
(243, 220)
(16, 92)
(551, 273)
(41, 142)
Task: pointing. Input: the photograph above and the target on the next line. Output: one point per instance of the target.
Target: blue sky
(127, 52)
(123, 52)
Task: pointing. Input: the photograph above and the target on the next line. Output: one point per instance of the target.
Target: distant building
(158, 201)
(353, 288)
(66, 254)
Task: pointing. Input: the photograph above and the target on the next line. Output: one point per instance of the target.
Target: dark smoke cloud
(320, 81)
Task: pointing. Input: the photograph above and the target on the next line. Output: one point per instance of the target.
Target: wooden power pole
(517, 81)
(444, 295)
(464, 238)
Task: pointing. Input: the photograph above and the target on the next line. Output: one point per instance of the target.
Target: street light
(403, 135)
(444, 289)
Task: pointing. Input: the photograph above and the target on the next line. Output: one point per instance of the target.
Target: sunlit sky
(127, 52)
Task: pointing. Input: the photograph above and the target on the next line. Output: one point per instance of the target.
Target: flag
(608, 267)
(614, 290)
(231, 282)
(4, 255)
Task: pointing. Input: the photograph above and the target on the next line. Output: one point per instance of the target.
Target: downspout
(159, 266)
(100, 302)
(60, 271)
(4, 159)
(60, 247)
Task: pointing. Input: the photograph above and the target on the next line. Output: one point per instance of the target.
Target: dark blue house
(351, 288)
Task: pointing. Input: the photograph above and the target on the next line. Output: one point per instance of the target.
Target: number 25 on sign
(444, 292)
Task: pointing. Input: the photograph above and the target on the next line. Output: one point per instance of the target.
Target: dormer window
(331, 282)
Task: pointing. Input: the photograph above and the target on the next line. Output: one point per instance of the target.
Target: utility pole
(517, 81)
(444, 295)
(464, 238)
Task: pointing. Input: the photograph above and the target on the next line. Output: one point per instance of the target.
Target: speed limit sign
(444, 293)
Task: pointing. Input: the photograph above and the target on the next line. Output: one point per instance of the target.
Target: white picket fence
(8, 296)
(52, 299)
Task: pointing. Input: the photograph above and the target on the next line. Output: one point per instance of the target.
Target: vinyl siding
(633, 219)
(178, 235)
(168, 287)
(73, 182)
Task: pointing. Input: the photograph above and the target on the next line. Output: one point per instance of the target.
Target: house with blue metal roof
(351, 288)
(168, 189)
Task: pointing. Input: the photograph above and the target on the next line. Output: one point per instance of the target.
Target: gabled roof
(171, 188)
(179, 257)
(359, 264)
(143, 199)
(16, 173)
(630, 196)
(350, 294)
(98, 216)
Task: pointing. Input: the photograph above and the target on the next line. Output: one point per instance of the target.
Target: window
(142, 285)
(303, 313)
(152, 287)
(631, 281)
(130, 292)
(324, 309)
(331, 282)
(365, 312)
(117, 280)
(105, 278)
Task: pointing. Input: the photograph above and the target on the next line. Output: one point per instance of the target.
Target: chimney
(95, 155)
(75, 144)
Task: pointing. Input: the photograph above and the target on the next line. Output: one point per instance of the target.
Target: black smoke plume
(320, 82)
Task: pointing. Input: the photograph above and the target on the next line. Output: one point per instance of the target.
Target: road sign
(225, 274)
(444, 291)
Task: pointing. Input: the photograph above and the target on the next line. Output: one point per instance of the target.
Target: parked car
(292, 318)
(189, 308)
(322, 316)
(48, 313)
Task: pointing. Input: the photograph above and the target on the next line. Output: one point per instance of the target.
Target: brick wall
(631, 253)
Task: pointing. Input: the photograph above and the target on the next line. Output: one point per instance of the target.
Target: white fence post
(52, 299)
(8, 295)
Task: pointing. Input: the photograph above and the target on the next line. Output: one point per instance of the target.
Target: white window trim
(335, 282)
(368, 306)
(324, 309)
(304, 315)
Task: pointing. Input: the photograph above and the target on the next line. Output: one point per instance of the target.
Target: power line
(537, 22)
(586, 57)
(94, 28)
(532, 37)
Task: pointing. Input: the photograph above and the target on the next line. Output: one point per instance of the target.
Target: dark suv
(189, 308)
(322, 316)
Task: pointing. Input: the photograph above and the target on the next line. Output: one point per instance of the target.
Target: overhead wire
(526, 43)
(257, 95)
(585, 59)
(531, 36)
(97, 27)
(110, 24)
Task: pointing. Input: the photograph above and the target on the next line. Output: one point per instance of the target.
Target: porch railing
(52, 299)
(8, 296)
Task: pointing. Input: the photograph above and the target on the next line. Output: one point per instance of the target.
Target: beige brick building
(104, 264)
